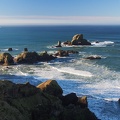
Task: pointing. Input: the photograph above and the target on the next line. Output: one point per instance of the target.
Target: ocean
(99, 79)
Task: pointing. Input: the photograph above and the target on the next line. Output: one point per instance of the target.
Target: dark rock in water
(93, 57)
(25, 49)
(59, 44)
(119, 100)
(6, 59)
(44, 56)
(10, 49)
(32, 57)
(27, 102)
(69, 99)
(61, 53)
(27, 58)
(51, 87)
(67, 43)
(78, 40)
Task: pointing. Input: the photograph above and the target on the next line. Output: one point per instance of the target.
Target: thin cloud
(54, 20)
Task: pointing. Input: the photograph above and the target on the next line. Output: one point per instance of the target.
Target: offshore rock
(27, 58)
(27, 102)
(6, 59)
(78, 40)
(59, 44)
(32, 57)
(44, 56)
(93, 57)
(10, 49)
(63, 53)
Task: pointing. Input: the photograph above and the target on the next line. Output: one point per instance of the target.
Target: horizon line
(59, 20)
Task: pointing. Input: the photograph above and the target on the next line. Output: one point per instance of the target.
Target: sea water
(99, 79)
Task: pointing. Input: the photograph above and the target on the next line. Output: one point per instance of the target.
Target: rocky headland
(43, 102)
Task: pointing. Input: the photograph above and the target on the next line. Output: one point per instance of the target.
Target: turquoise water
(98, 79)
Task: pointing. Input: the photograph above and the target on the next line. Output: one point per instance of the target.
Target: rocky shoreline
(43, 102)
(27, 57)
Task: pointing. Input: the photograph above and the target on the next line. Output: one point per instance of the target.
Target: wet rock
(61, 53)
(59, 44)
(6, 59)
(25, 49)
(27, 58)
(82, 101)
(27, 102)
(44, 56)
(69, 99)
(51, 87)
(10, 49)
(79, 40)
(93, 57)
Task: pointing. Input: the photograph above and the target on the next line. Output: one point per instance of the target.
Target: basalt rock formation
(27, 102)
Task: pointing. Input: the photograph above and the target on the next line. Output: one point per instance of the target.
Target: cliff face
(27, 102)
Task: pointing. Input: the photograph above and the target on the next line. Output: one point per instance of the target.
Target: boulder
(82, 101)
(25, 49)
(32, 57)
(119, 101)
(6, 59)
(78, 40)
(59, 44)
(69, 99)
(65, 53)
(61, 53)
(10, 49)
(27, 58)
(44, 56)
(51, 87)
(93, 57)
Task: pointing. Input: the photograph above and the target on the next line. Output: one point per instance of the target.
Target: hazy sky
(34, 12)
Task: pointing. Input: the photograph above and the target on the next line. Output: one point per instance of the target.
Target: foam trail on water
(70, 70)
(104, 43)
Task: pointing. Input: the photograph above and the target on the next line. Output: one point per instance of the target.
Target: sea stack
(79, 40)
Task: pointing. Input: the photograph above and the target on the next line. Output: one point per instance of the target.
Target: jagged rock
(93, 57)
(44, 56)
(27, 102)
(82, 101)
(67, 43)
(27, 58)
(78, 40)
(25, 49)
(69, 99)
(119, 100)
(51, 87)
(10, 49)
(61, 53)
(59, 44)
(6, 59)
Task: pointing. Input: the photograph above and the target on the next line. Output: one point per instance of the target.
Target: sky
(59, 12)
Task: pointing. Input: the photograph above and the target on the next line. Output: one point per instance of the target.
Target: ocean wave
(70, 70)
(5, 49)
(102, 44)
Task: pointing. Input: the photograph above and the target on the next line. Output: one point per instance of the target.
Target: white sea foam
(102, 44)
(70, 70)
